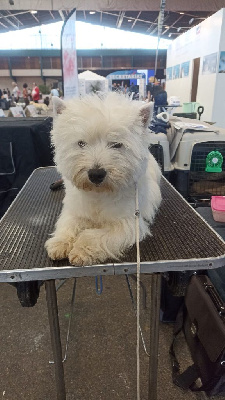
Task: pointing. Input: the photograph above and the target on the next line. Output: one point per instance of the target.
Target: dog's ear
(146, 113)
(58, 105)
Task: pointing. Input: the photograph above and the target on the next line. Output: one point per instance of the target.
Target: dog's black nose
(96, 175)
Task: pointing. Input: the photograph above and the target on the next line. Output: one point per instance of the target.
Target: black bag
(202, 319)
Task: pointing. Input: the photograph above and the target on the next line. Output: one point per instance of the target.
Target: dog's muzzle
(96, 175)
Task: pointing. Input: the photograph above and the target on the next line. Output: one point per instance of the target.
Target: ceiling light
(167, 27)
(33, 12)
(181, 13)
(191, 20)
(170, 34)
(178, 29)
(92, 12)
(129, 20)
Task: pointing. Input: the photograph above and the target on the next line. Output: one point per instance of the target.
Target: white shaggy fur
(97, 221)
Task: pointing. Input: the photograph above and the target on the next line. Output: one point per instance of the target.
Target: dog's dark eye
(115, 145)
(81, 143)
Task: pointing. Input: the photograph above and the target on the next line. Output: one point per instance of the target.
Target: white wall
(200, 41)
(218, 112)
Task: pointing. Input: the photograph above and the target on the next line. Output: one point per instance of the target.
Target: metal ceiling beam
(15, 18)
(8, 20)
(172, 25)
(34, 16)
(51, 15)
(61, 15)
(1, 23)
(156, 25)
(116, 5)
(136, 19)
(120, 20)
(141, 20)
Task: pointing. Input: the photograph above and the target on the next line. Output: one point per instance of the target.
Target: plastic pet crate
(159, 148)
(199, 165)
(207, 172)
(157, 151)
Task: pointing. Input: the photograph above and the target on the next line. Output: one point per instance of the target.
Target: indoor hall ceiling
(145, 22)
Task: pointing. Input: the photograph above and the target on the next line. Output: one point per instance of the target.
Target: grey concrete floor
(101, 361)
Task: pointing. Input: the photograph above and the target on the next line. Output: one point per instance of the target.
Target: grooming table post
(51, 298)
(154, 335)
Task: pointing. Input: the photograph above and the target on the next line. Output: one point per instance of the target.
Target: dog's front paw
(79, 257)
(58, 249)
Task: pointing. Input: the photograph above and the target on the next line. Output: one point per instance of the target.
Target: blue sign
(176, 71)
(184, 71)
(169, 73)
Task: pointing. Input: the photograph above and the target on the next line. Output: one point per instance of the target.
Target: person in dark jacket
(157, 94)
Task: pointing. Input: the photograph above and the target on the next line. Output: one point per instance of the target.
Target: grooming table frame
(181, 241)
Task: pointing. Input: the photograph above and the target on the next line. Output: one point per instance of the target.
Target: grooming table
(181, 240)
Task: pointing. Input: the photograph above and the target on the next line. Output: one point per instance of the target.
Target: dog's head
(100, 143)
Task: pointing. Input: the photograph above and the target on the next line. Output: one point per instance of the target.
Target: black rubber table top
(179, 233)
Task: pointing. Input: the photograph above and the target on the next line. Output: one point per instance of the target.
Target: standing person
(25, 94)
(55, 91)
(114, 87)
(157, 94)
(151, 82)
(29, 91)
(126, 90)
(35, 93)
(5, 94)
(15, 92)
(154, 88)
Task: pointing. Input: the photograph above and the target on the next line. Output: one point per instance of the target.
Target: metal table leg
(154, 335)
(53, 318)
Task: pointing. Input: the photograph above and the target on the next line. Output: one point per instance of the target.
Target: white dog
(101, 151)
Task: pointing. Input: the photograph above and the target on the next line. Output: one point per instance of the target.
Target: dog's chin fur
(97, 221)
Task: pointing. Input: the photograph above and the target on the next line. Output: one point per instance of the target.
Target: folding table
(181, 241)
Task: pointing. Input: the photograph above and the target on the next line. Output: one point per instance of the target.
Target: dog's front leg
(63, 238)
(97, 245)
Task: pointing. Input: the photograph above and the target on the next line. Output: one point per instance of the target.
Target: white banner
(69, 57)
(142, 89)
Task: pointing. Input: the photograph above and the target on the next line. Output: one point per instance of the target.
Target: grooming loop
(135, 311)
(137, 215)
(70, 316)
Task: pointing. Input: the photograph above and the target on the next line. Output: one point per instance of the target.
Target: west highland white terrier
(101, 151)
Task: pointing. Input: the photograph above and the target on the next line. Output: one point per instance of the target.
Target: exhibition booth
(90, 82)
(196, 67)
